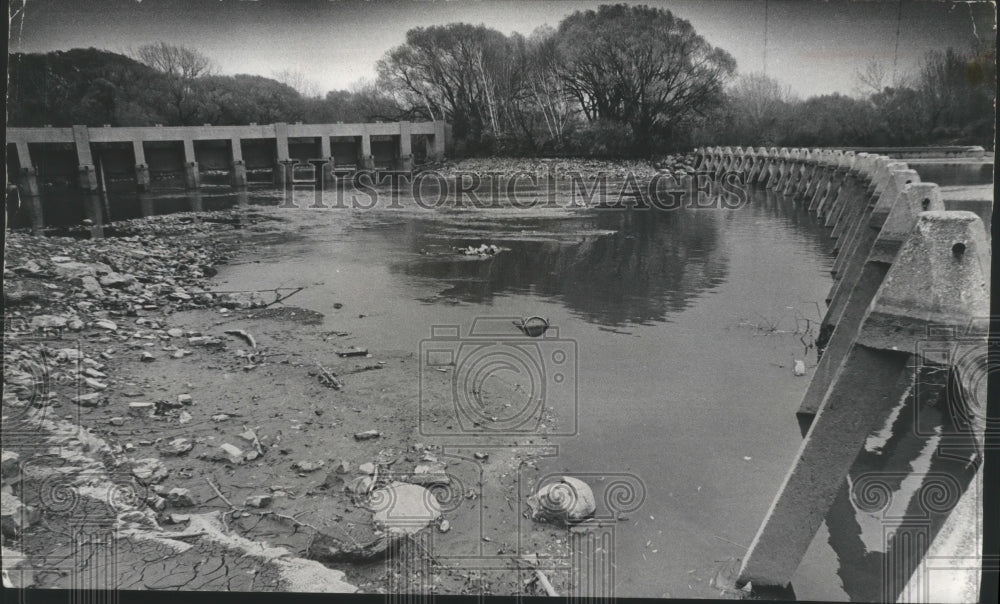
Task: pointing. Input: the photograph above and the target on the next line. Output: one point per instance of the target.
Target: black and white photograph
(405, 300)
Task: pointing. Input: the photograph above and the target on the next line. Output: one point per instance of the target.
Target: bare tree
(182, 66)
(299, 81)
(177, 61)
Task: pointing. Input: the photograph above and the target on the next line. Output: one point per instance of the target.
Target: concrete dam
(906, 329)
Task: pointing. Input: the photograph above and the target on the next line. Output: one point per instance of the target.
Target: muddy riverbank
(223, 417)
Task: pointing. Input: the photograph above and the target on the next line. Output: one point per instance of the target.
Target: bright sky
(814, 46)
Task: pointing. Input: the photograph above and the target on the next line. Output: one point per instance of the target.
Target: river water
(684, 326)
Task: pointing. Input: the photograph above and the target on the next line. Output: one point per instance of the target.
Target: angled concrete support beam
(940, 279)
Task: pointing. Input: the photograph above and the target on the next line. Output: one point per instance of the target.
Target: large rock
(9, 466)
(403, 508)
(15, 517)
(17, 573)
(149, 471)
(565, 501)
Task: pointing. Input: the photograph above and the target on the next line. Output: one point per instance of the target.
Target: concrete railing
(911, 290)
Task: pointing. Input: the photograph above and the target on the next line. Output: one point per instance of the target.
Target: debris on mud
(564, 502)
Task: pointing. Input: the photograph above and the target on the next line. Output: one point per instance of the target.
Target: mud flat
(229, 442)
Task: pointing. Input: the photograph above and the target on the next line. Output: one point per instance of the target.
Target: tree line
(616, 81)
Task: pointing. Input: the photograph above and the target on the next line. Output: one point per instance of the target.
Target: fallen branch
(219, 493)
(243, 334)
(540, 576)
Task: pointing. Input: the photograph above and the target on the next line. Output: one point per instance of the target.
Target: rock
(140, 409)
(17, 573)
(149, 471)
(48, 322)
(115, 280)
(180, 498)
(231, 452)
(184, 418)
(367, 468)
(333, 480)
(221, 417)
(344, 467)
(91, 399)
(257, 501)
(444, 526)
(72, 270)
(107, 325)
(331, 549)
(92, 287)
(96, 385)
(117, 421)
(178, 518)
(10, 464)
(367, 435)
(156, 502)
(184, 399)
(403, 508)
(178, 446)
(147, 357)
(481, 456)
(429, 474)
(566, 501)
(75, 324)
(15, 517)
(362, 485)
(175, 332)
(307, 466)
(799, 369)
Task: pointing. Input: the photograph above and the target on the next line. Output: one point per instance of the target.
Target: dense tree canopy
(619, 80)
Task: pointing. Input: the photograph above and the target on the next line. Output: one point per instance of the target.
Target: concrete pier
(156, 151)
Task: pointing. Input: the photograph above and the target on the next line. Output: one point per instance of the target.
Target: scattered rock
(232, 453)
(91, 399)
(180, 498)
(48, 322)
(565, 501)
(430, 474)
(17, 572)
(258, 501)
(106, 325)
(15, 517)
(9, 464)
(178, 446)
(92, 287)
(404, 508)
(149, 471)
(140, 409)
(307, 466)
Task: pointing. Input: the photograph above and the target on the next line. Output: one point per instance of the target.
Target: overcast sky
(814, 46)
